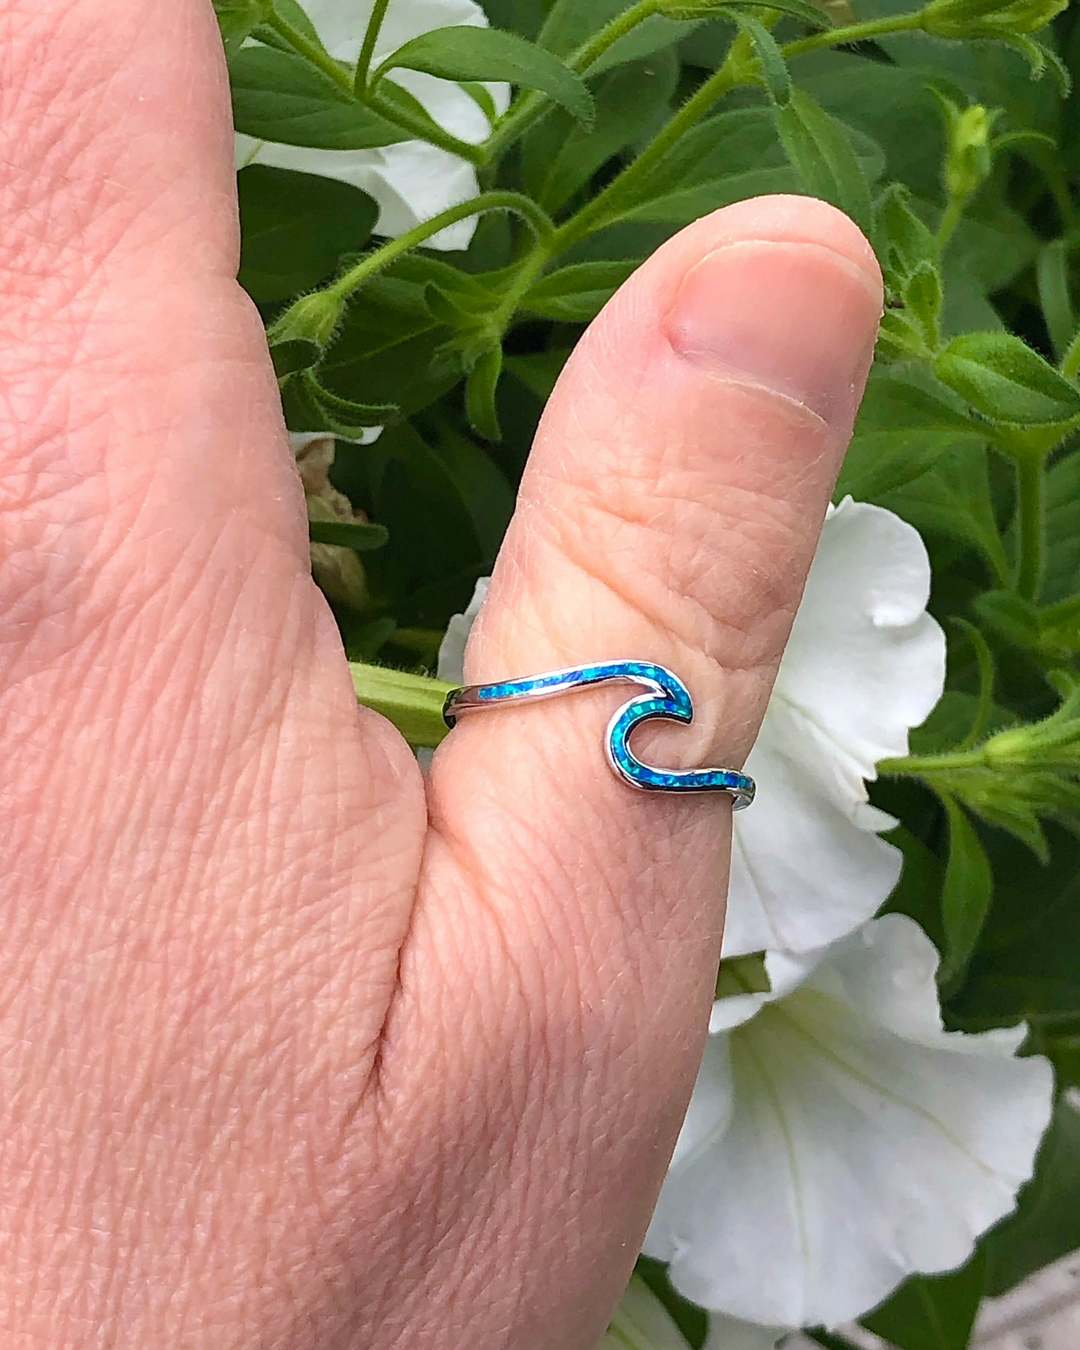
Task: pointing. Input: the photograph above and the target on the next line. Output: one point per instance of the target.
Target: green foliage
(295, 229)
(627, 121)
(932, 1312)
(468, 53)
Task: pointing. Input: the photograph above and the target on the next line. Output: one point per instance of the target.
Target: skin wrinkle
(235, 877)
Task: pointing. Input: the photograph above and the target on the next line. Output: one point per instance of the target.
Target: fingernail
(797, 318)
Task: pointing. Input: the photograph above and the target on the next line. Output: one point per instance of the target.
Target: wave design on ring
(666, 698)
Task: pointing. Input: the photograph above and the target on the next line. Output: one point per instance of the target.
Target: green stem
(414, 703)
(950, 218)
(424, 129)
(394, 248)
(598, 212)
(855, 32)
(312, 51)
(1031, 523)
(530, 106)
(367, 51)
(416, 127)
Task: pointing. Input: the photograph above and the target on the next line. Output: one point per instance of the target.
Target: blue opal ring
(666, 697)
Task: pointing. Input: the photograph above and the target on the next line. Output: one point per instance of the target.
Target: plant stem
(597, 213)
(367, 51)
(414, 703)
(855, 32)
(530, 106)
(390, 112)
(1031, 523)
(394, 248)
(424, 129)
(950, 218)
(312, 51)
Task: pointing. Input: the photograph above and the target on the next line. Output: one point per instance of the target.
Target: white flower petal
(864, 664)
(451, 665)
(841, 1141)
(729, 1333)
(342, 23)
(803, 870)
(786, 971)
(411, 180)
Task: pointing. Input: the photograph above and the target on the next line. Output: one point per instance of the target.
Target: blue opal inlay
(666, 697)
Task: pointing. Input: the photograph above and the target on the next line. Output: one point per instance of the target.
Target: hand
(296, 1049)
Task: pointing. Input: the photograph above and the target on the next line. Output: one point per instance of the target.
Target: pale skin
(298, 1050)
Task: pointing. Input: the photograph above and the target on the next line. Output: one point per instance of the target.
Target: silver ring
(667, 698)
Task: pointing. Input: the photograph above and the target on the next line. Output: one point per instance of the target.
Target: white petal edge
(411, 181)
(865, 662)
(841, 1140)
(451, 665)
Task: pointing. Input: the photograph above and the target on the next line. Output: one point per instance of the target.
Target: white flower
(865, 662)
(452, 650)
(840, 1140)
(411, 180)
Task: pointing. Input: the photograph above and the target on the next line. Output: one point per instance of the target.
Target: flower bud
(312, 319)
(988, 18)
(968, 156)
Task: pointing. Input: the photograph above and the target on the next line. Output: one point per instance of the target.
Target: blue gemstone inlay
(667, 698)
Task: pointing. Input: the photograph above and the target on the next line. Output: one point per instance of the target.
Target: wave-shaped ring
(667, 698)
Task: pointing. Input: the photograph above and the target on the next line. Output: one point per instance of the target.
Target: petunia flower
(865, 662)
(839, 1140)
(411, 180)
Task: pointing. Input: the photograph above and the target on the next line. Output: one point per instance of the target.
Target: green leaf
(559, 156)
(1046, 1224)
(469, 53)
(295, 227)
(480, 386)
(1052, 275)
(278, 96)
(932, 1312)
(577, 293)
(904, 242)
(953, 498)
(965, 895)
(901, 432)
(1063, 528)
(1025, 966)
(774, 72)
(311, 407)
(727, 157)
(238, 19)
(385, 349)
(294, 354)
(821, 152)
(361, 536)
(570, 23)
(1006, 381)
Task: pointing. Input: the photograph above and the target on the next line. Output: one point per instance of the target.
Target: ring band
(667, 698)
